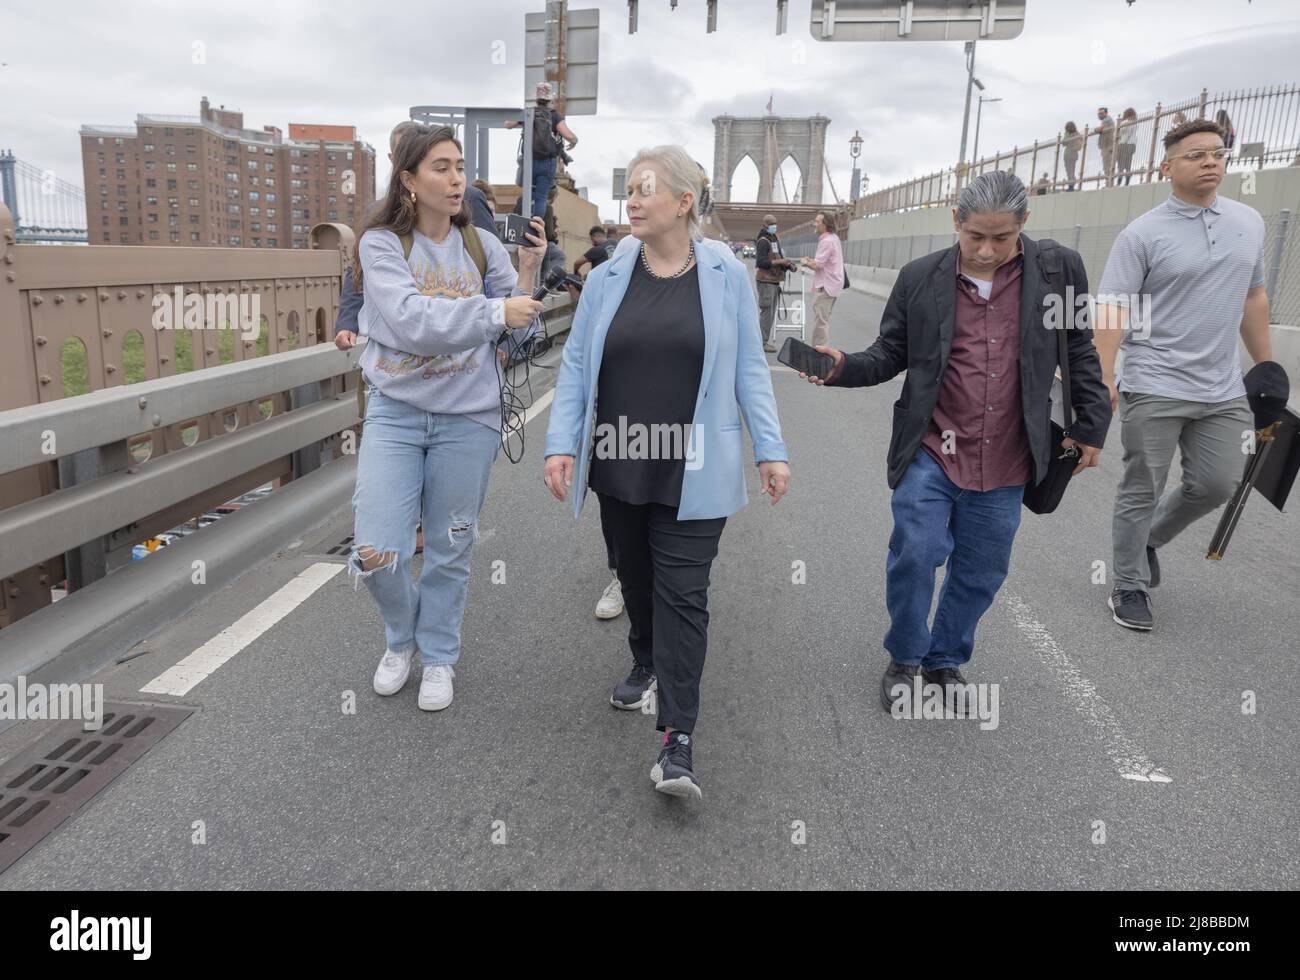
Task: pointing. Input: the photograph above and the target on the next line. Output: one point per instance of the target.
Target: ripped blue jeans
(416, 464)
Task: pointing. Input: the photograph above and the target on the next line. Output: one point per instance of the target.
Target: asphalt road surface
(1120, 760)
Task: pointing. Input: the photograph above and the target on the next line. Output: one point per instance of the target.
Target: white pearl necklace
(690, 256)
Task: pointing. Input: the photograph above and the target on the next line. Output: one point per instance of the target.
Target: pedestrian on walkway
(828, 282)
(1071, 145)
(665, 340)
(345, 327)
(438, 296)
(1183, 282)
(610, 605)
(1229, 131)
(595, 255)
(548, 124)
(973, 423)
(1126, 133)
(770, 267)
(1177, 122)
(1106, 143)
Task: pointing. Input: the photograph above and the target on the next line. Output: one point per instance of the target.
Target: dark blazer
(916, 336)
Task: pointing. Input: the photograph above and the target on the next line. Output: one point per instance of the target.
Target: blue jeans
(416, 464)
(543, 180)
(936, 521)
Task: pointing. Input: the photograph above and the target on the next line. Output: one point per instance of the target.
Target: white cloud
(341, 62)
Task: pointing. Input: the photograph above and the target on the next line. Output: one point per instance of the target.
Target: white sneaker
(611, 601)
(393, 669)
(435, 687)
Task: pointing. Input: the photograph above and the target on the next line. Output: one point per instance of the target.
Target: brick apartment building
(206, 180)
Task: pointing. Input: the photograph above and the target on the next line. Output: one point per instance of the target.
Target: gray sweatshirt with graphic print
(432, 327)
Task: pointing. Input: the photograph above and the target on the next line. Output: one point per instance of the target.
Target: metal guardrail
(115, 502)
(84, 477)
(113, 496)
(82, 320)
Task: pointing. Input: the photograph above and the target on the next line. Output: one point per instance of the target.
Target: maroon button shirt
(979, 398)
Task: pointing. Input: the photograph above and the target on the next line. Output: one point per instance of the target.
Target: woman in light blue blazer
(663, 360)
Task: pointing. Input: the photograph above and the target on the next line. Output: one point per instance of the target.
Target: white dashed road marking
(1128, 760)
(179, 679)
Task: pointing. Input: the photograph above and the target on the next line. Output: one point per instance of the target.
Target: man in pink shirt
(829, 280)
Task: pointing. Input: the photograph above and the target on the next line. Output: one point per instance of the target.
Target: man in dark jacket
(770, 267)
(973, 327)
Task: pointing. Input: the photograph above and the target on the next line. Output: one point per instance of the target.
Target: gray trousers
(1210, 436)
(768, 294)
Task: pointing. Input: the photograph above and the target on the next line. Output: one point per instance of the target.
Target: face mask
(772, 229)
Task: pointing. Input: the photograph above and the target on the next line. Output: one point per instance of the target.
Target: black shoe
(633, 690)
(672, 773)
(1154, 564)
(1131, 608)
(896, 673)
(943, 676)
(948, 678)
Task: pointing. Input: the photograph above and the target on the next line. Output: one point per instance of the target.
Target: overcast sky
(66, 63)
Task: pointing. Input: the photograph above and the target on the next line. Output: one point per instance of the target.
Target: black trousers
(663, 565)
(609, 544)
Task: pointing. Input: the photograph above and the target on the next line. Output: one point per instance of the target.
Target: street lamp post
(975, 154)
(965, 121)
(855, 148)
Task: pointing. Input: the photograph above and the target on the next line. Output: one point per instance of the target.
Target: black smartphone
(516, 226)
(798, 355)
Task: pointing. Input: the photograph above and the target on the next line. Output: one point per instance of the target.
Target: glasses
(1222, 153)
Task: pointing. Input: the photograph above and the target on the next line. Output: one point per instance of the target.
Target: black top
(596, 255)
(649, 375)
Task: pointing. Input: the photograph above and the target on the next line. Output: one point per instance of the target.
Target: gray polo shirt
(1195, 264)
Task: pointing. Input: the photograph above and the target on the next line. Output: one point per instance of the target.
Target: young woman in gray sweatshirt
(433, 410)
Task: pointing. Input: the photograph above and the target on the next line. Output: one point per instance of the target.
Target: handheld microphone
(553, 281)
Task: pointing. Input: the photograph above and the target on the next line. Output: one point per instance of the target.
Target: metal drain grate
(47, 784)
(342, 547)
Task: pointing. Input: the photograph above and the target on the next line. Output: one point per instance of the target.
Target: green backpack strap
(473, 245)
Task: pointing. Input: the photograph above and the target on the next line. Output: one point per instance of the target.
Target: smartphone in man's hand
(804, 359)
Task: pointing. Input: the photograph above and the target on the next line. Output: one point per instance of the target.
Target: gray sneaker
(632, 691)
(1131, 608)
(672, 772)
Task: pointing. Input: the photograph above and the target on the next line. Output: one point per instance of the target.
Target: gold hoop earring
(412, 197)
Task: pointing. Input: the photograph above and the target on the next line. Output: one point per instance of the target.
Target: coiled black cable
(514, 378)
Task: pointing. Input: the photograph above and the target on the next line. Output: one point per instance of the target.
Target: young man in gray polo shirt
(1183, 281)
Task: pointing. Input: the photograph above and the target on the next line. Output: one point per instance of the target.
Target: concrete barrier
(872, 280)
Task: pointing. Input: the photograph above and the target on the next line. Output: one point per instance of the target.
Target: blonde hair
(683, 174)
